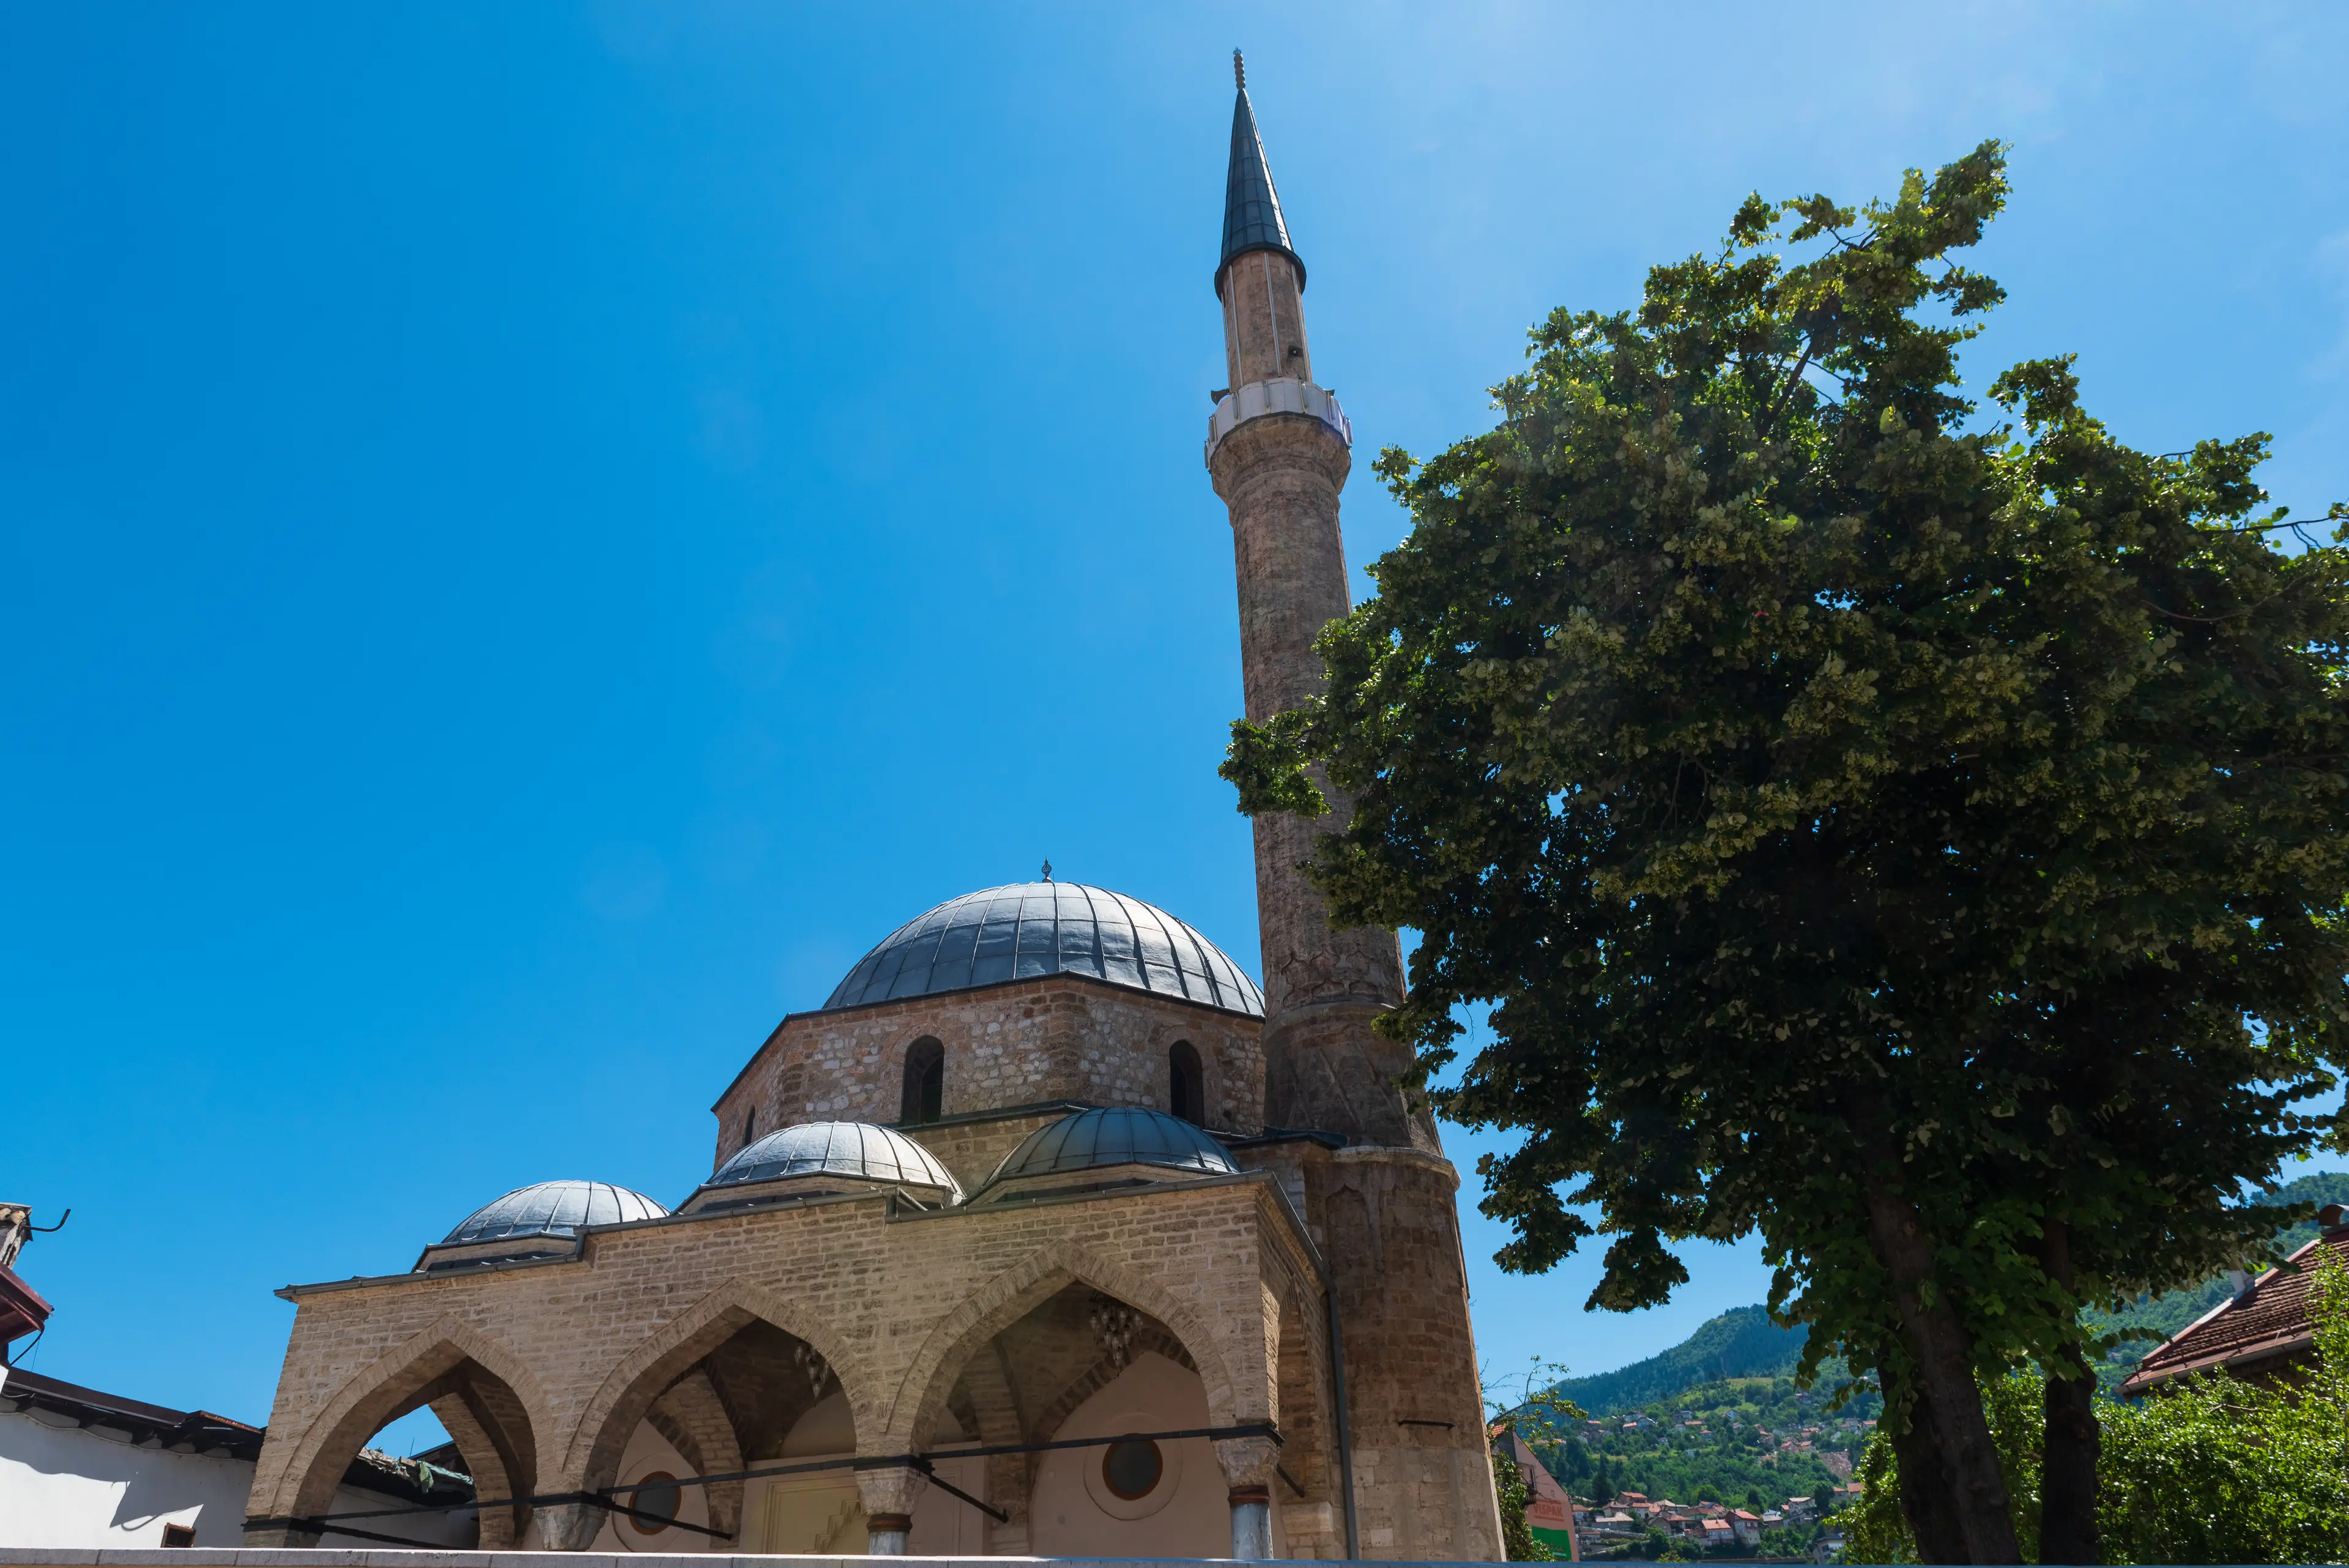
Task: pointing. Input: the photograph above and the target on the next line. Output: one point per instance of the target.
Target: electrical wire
(605, 1497)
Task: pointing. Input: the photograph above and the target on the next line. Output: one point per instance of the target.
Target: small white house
(82, 1468)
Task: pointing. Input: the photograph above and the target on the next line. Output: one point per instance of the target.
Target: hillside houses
(1710, 1526)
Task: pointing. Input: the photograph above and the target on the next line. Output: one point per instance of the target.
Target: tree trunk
(2067, 1485)
(1942, 1352)
(1925, 1490)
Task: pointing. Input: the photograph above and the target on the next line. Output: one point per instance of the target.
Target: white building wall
(87, 1487)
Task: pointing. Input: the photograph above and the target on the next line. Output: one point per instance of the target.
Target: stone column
(1251, 1524)
(568, 1526)
(1247, 1466)
(888, 1496)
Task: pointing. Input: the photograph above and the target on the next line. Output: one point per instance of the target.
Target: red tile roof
(22, 1310)
(2268, 1321)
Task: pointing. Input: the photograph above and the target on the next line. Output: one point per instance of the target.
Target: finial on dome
(1048, 871)
(1239, 71)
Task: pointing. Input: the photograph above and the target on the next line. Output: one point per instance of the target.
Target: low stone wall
(291, 1557)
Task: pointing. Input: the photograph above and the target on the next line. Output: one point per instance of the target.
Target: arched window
(926, 1082)
(1186, 1084)
(750, 1126)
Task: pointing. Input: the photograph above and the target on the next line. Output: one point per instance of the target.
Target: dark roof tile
(2268, 1319)
(1252, 219)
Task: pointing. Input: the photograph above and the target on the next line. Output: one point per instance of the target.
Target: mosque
(1049, 1233)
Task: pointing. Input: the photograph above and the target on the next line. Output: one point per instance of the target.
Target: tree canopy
(2213, 1470)
(1911, 835)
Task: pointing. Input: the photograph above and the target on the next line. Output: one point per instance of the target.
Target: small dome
(553, 1208)
(856, 1149)
(1048, 927)
(1091, 1139)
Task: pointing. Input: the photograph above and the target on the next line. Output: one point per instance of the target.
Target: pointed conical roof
(1252, 219)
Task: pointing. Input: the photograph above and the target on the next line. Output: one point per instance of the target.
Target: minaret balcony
(1280, 395)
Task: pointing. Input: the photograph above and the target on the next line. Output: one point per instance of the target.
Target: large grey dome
(1048, 927)
(857, 1149)
(553, 1208)
(1129, 1135)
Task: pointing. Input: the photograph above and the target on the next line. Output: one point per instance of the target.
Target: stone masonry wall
(1384, 1209)
(1264, 320)
(1056, 1037)
(895, 1304)
(1280, 475)
(1389, 1221)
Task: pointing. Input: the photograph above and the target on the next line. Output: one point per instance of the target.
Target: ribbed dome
(553, 1208)
(1091, 1139)
(857, 1149)
(1048, 927)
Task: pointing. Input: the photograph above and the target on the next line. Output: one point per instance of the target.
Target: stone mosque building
(1049, 1233)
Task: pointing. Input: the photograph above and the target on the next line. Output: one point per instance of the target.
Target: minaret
(1279, 448)
(1383, 1208)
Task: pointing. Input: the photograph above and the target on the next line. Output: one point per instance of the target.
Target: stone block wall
(1056, 1037)
(1264, 320)
(1389, 1219)
(896, 1302)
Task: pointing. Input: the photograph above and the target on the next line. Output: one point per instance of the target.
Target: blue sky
(530, 535)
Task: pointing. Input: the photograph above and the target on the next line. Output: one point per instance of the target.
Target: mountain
(1740, 1342)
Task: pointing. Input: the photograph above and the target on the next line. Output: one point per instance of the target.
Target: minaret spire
(1252, 219)
(1279, 449)
(1383, 1207)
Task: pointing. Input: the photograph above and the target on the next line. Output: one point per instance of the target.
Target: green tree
(1518, 1542)
(2209, 1470)
(1914, 838)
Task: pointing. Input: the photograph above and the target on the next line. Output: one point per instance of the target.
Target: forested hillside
(1718, 1417)
(1740, 1342)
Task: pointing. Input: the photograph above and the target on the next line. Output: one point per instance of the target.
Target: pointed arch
(592, 1456)
(498, 1468)
(410, 1375)
(692, 1417)
(922, 1391)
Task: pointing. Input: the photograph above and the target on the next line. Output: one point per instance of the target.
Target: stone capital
(889, 1492)
(1248, 1463)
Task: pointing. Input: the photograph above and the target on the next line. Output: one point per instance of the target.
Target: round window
(655, 1500)
(1131, 1469)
